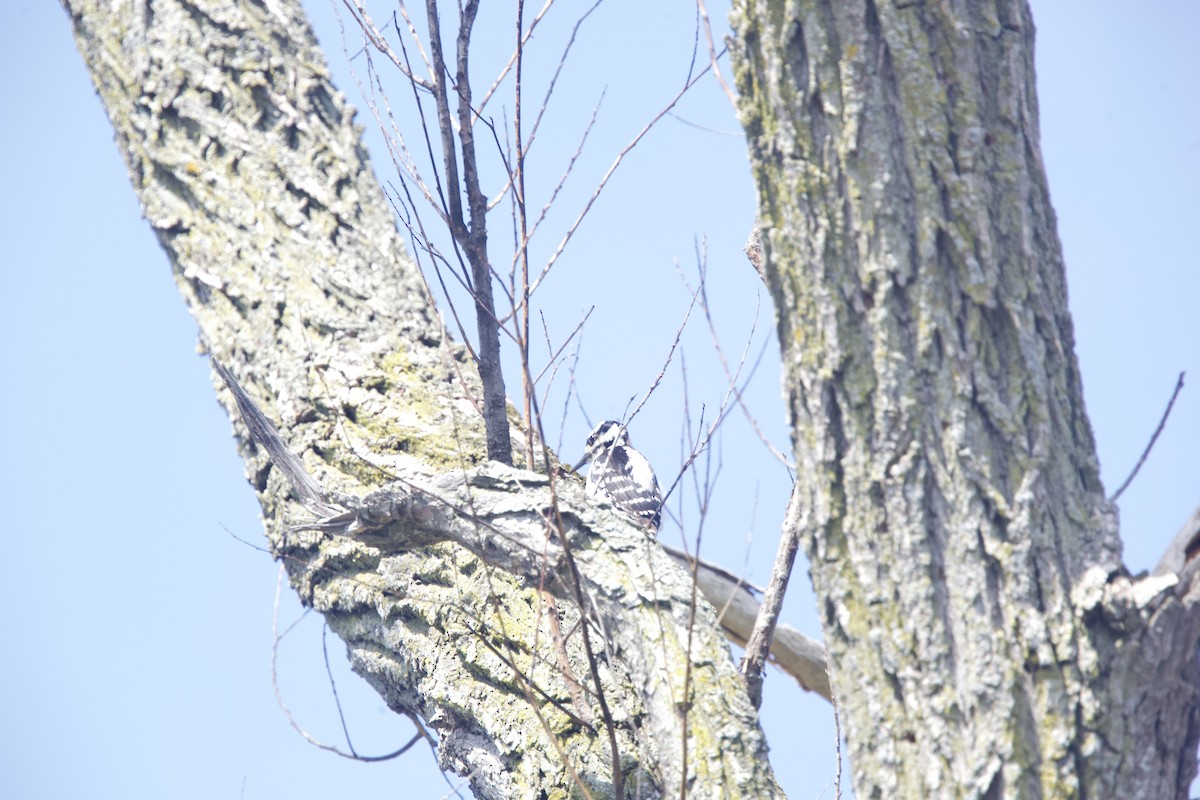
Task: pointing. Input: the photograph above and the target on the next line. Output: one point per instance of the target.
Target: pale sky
(139, 655)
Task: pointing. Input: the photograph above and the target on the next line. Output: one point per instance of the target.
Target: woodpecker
(621, 475)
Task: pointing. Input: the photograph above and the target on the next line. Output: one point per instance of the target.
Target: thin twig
(837, 746)
(730, 132)
(562, 60)
(446, 210)
(555, 515)
(401, 156)
(572, 391)
(723, 410)
(1146, 453)
(522, 253)
(523, 244)
(421, 242)
(713, 55)
(412, 30)
(530, 687)
(277, 637)
(702, 262)
(704, 495)
(513, 58)
(563, 346)
(687, 673)
(667, 363)
(337, 701)
(562, 245)
(463, 782)
(373, 35)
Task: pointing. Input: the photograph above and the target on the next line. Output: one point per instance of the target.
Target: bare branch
(570, 164)
(377, 40)
(1154, 438)
(472, 237)
(421, 243)
(701, 443)
(572, 391)
(670, 354)
(562, 60)
(522, 253)
(713, 55)
(412, 30)
(401, 157)
(759, 644)
(837, 734)
(562, 245)
(513, 58)
(277, 637)
(447, 212)
(453, 194)
(574, 332)
(337, 700)
(729, 376)
(797, 655)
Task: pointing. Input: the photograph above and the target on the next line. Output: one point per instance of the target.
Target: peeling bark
(984, 638)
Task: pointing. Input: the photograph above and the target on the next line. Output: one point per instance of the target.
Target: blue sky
(140, 629)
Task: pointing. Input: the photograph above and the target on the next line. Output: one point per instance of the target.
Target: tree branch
(1150, 445)
(472, 236)
(1183, 547)
(797, 655)
(248, 166)
(759, 644)
(503, 516)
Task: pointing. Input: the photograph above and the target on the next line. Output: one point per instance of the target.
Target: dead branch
(713, 55)
(759, 644)
(797, 655)
(1153, 438)
(1183, 547)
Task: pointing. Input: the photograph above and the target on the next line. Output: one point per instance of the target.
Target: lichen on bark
(938, 423)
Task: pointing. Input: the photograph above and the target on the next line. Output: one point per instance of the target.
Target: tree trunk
(984, 638)
(250, 170)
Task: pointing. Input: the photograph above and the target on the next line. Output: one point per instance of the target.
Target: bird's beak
(579, 466)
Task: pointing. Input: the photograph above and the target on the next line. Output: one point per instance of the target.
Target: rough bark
(983, 636)
(250, 171)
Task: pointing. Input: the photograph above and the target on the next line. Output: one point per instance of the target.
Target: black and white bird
(621, 475)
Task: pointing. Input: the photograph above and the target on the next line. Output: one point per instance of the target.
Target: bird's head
(605, 435)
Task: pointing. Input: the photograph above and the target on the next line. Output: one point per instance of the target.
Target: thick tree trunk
(251, 172)
(983, 636)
